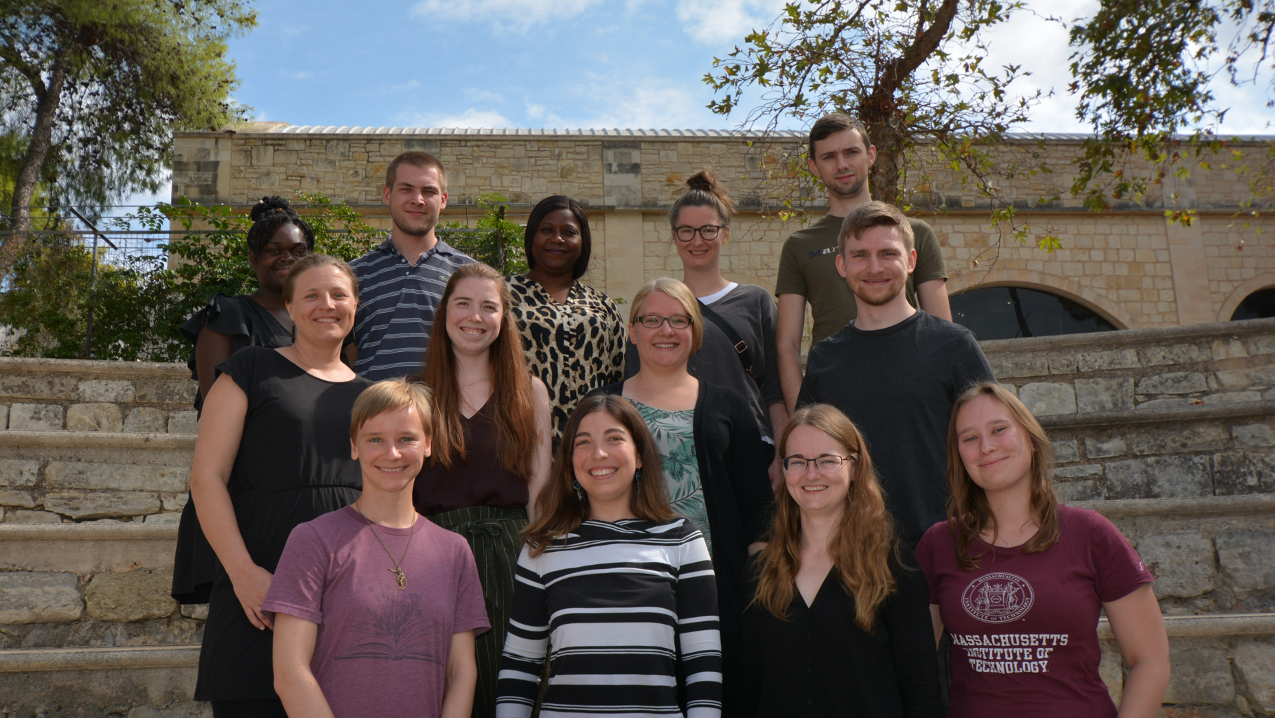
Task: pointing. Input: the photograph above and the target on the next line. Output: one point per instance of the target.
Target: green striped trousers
(493, 535)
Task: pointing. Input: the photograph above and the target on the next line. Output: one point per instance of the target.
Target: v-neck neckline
(818, 591)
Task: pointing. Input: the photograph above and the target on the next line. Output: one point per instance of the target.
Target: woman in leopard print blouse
(573, 334)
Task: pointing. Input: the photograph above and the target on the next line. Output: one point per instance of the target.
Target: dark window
(1258, 305)
(1011, 312)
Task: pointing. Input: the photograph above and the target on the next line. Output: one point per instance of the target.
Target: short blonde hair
(875, 214)
(387, 396)
(315, 261)
(679, 291)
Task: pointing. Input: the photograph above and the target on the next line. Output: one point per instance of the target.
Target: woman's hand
(251, 587)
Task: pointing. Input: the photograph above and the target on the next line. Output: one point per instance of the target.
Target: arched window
(1258, 305)
(1011, 312)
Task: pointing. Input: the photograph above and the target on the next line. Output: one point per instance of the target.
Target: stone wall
(1128, 265)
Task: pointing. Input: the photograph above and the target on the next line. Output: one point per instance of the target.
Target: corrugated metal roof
(640, 133)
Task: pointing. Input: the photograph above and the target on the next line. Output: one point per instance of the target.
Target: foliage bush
(140, 302)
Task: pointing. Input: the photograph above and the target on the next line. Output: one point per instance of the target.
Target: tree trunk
(46, 111)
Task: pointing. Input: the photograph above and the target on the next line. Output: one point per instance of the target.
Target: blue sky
(568, 63)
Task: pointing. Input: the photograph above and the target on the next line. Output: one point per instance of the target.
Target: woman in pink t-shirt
(1018, 580)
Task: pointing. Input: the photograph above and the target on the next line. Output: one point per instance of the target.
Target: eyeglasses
(709, 232)
(824, 463)
(653, 321)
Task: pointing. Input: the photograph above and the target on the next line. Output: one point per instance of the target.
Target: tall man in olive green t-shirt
(838, 152)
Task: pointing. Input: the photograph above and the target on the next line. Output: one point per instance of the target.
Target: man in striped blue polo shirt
(401, 281)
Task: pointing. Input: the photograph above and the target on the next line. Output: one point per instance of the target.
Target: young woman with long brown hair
(836, 626)
(613, 586)
(1018, 580)
(490, 444)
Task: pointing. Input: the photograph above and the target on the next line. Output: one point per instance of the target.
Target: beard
(880, 297)
(412, 226)
(847, 191)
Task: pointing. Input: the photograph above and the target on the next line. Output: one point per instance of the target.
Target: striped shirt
(397, 301)
(627, 611)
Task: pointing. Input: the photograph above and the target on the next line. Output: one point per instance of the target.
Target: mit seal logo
(997, 598)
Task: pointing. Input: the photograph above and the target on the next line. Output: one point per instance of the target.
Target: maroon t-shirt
(380, 650)
(1024, 626)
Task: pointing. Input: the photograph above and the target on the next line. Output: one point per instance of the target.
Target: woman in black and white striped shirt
(612, 585)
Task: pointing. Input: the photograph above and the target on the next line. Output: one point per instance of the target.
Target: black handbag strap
(741, 348)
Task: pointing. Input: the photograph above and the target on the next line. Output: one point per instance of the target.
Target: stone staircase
(1167, 432)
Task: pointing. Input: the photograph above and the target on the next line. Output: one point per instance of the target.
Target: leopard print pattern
(574, 347)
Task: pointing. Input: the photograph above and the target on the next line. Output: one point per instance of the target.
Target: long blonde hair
(968, 510)
(861, 545)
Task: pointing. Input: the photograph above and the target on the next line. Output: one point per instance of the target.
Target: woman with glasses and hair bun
(713, 462)
(835, 627)
(738, 350)
(573, 334)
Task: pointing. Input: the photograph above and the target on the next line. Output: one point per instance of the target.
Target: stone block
(22, 516)
(35, 417)
(175, 503)
(145, 420)
(40, 598)
(93, 417)
(1084, 490)
(183, 422)
(169, 518)
(1171, 439)
(1014, 390)
(1177, 382)
(1110, 359)
(39, 387)
(131, 596)
(197, 611)
(1182, 562)
(263, 155)
(1231, 348)
(166, 391)
(4, 416)
(1064, 451)
(1252, 435)
(1062, 363)
(1048, 398)
(1232, 397)
(1104, 394)
(1200, 674)
(1259, 344)
(98, 390)
(1238, 379)
(1101, 448)
(1079, 471)
(1243, 472)
(1020, 365)
(102, 505)
(20, 499)
(192, 709)
(1110, 670)
(1245, 560)
(1175, 354)
(1159, 477)
(17, 473)
(1173, 403)
(118, 477)
(1253, 661)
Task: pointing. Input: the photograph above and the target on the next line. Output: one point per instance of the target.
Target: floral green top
(674, 435)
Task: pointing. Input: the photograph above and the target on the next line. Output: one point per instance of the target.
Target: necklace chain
(1011, 542)
(399, 578)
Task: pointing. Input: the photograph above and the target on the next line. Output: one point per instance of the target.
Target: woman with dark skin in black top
(273, 452)
(836, 626)
(277, 239)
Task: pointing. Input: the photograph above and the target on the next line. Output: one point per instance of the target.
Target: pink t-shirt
(1024, 626)
(380, 651)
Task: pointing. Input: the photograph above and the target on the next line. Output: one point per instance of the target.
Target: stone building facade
(1130, 265)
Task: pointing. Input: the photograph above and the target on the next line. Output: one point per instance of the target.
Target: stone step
(54, 476)
(1207, 450)
(1218, 363)
(81, 395)
(1214, 661)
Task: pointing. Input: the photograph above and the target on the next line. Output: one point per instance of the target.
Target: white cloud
(297, 74)
(719, 21)
(501, 14)
(480, 95)
(403, 87)
(617, 101)
(470, 118)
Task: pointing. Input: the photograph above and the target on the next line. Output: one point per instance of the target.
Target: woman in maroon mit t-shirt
(1018, 580)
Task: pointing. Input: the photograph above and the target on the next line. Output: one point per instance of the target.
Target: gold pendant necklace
(400, 578)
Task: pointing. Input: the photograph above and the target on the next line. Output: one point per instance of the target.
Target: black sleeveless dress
(247, 323)
(293, 466)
